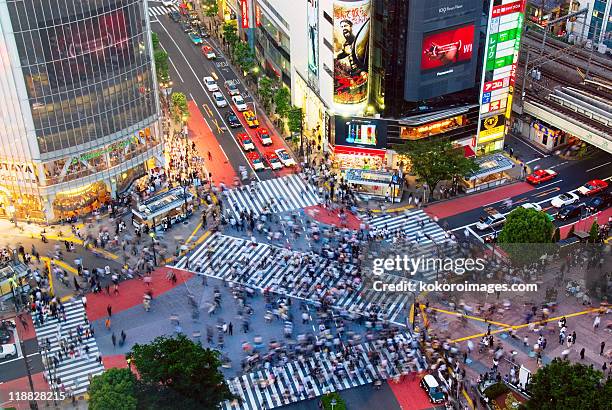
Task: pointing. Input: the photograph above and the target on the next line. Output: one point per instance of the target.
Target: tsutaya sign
(13, 171)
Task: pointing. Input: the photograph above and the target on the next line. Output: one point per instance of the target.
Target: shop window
(433, 128)
(544, 139)
(80, 201)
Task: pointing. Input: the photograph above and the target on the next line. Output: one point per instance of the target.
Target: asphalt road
(572, 175)
(188, 66)
(14, 368)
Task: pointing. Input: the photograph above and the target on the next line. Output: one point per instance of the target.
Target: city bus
(166, 208)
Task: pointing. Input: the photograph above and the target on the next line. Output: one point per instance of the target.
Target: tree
(295, 117)
(244, 56)
(161, 65)
(435, 161)
(211, 8)
(230, 33)
(562, 385)
(594, 232)
(333, 401)
(266, 91)
(183, 370)
(179, 106)
(155, 40)
(113, 389)
(282, 101)
(526, 226)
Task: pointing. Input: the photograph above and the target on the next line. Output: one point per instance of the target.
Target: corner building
(79, 110)
(373, 73)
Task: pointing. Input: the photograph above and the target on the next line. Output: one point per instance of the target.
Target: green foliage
(244, 56)
(526, 226)
(437, 160)
(155, 40)
(594, 232)
(161, 65)
(339, 403)
(230, 33)
(496, 390)
(178, 373)
(113, 389)
(295, 118)
(266, 90)
(562, 385)
(180, 109)
(282, 101)
(211, 8)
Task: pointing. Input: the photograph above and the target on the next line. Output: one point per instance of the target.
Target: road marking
(209, 98)
(548, 191)
(544, 155)
(193, 233)
(533, 160)
(558, 165)
(547, 185)
(19, 358)
(475, 234)
(599, 166)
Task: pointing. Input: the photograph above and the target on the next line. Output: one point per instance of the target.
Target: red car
(541, 175)
(264, 136)
(245, 142)
(593, 187)
(273, 161)
(256, 161)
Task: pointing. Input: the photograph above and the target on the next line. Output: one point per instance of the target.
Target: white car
(211, 84)
(220, 100)
(532, 205)
(285, 158)
(8, 351)
(239, 103)
(492, 221)
(564, 199)
(231, 88)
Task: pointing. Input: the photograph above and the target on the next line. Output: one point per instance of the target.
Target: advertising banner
(447, 48)
(312, 14)
(351, 51)
(360, 132)
(244, 13)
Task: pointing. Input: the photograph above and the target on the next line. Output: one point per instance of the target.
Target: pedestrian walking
(107, 323)
(601, 348)
(109, 310)
(84, 301)
(582, 354)
(230, 329)
(596, 322)
(114, 340)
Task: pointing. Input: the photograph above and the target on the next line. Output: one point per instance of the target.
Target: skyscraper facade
(79, 109)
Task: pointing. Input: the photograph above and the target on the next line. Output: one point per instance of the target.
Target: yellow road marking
(547, 192)
(202, 238)
(468, 399)
(540, 322)
(457, 314)
(193, 233)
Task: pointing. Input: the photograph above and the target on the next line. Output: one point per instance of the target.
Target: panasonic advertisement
(442, 47)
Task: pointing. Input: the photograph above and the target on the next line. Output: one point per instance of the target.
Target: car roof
(430, 380)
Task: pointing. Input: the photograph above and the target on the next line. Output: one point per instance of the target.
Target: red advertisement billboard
(244, 11)
(447, 48)
(502, 10)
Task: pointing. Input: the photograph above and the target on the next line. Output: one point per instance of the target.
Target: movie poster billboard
(447, 48)
(351, 51)
(312, 14)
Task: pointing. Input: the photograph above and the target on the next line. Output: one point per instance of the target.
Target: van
(432, 387)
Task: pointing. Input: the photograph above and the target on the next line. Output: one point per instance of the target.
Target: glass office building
(79, 110)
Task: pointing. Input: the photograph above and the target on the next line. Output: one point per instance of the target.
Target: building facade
(373, 73)
(79, 109)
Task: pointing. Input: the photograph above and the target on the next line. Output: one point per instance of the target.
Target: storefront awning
(491, 164)
(344, 149)
(468, 152)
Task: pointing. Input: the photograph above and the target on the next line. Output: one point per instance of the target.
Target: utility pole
(586, 75)
(26, 361)
(525, 74)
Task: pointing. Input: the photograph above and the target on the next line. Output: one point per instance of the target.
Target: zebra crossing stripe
(161, 10)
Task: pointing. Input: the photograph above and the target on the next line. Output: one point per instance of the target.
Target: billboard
(447, 48)
(351, 51)
(360, 132)
(312, 15)
(441, 47)
(244, 13)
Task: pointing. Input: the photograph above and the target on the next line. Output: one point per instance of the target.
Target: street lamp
(152, 235)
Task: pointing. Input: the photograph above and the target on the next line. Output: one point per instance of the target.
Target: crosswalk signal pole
(26, 361)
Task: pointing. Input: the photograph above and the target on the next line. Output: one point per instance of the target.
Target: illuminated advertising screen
(312, 14)
(447, 48)
(244, 13)
(441, 47)
(86, 46)
(360, 132)
(351, 51)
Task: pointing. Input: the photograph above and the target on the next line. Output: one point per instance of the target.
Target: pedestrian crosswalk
(237, 259)
(413, 224)
(73, 373)
(326, 372)
(155, 11)
(274, 195)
